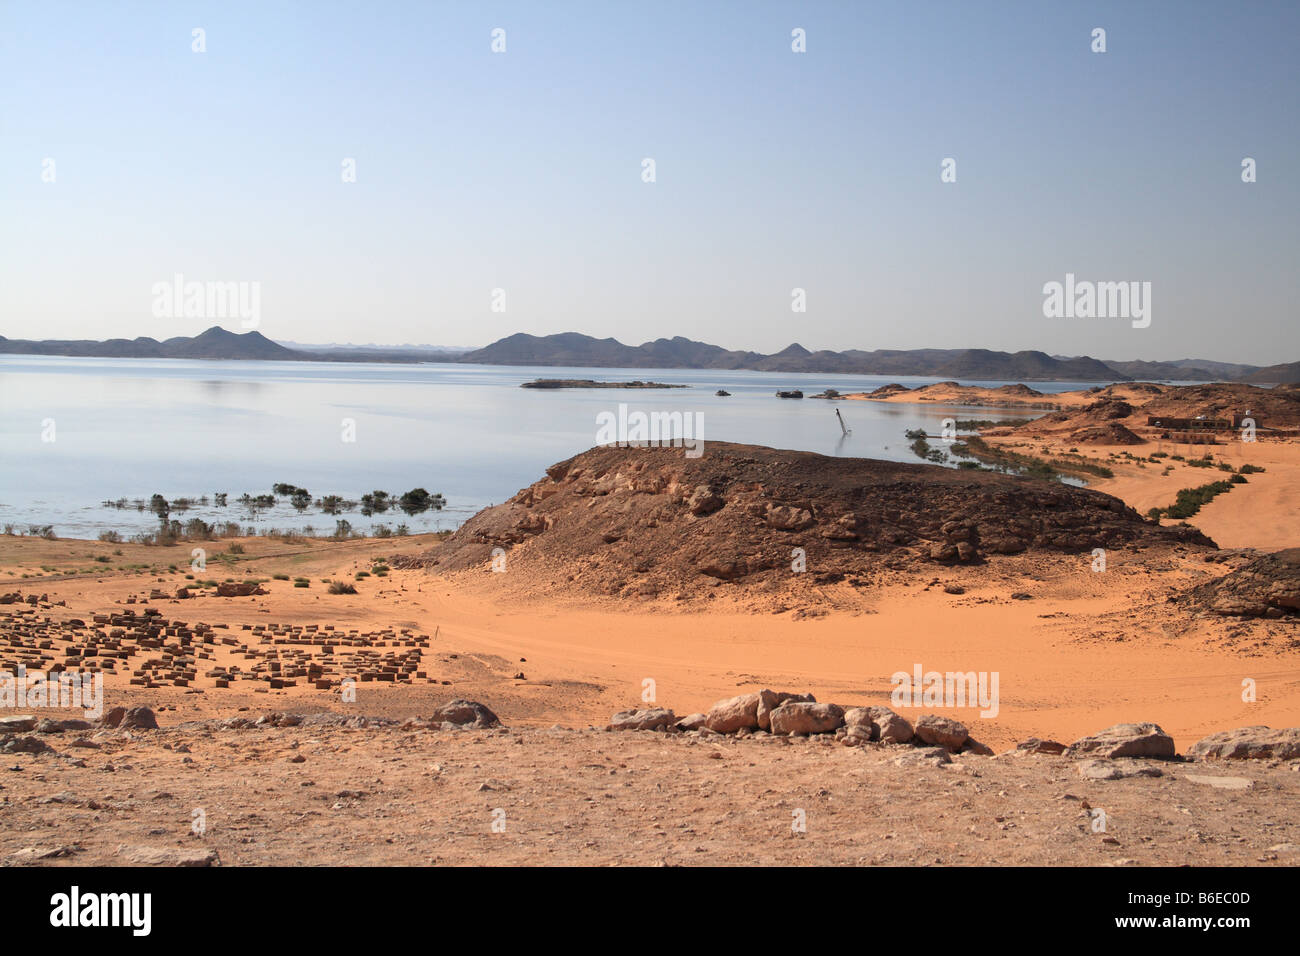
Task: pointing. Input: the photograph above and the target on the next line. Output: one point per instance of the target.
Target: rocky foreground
(459, 788)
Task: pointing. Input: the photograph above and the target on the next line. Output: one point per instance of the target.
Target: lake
(129, 428)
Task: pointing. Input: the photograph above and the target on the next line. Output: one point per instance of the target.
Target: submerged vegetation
(171, 530)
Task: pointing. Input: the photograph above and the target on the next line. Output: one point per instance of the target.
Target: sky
(774, 170)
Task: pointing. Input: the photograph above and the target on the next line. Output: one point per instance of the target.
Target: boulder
(1036, 746)
(789, 518)
(168, 856)
(704, 501)
(941, 732)
(806, 717)
(139, 718)
(893, 728)
(25, 745)
(1249, 743)
(654, 718)
(733, 714)
(856, 736)
(692, 722)
(1125, 740)
(53, 725)
(858, 721)
(462, 713)
(17, 725)
(769, 700)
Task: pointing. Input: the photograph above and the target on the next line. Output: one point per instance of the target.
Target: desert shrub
(1189, 500)
(110, 537)
(341, 587)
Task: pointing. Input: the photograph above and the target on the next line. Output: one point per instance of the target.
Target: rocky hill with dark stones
(651, 521)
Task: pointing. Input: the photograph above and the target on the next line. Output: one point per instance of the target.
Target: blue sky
(775, 170)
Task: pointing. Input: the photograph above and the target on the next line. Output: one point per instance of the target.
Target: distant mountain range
(584, 351)
(575, 349)
(217, 343)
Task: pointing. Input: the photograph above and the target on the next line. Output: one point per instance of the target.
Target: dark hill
(650, 521)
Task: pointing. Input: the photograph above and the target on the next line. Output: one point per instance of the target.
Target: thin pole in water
(847, 432)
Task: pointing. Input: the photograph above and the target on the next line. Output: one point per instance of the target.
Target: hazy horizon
(775, 170)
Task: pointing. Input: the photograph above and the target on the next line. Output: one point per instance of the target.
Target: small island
(592, 383)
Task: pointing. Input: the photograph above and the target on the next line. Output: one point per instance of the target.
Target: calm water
(132, 427)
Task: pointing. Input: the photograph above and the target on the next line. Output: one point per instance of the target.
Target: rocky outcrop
(1125, 740)
(1268, 586)
(653, 718)
(1249, 743)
